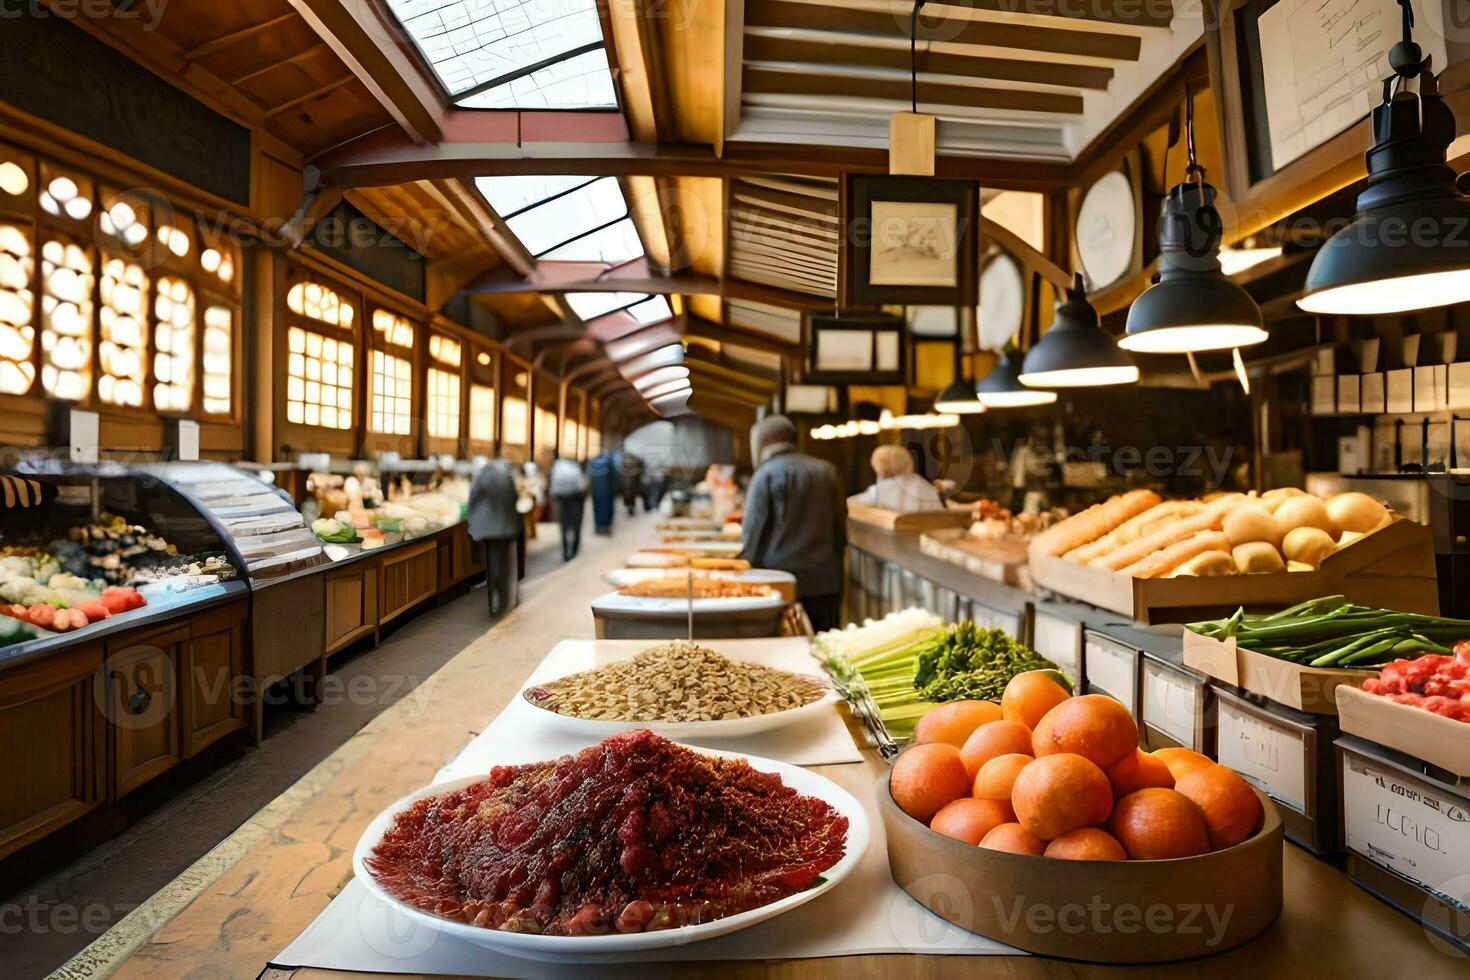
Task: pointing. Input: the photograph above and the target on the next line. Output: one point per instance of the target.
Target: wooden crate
(1002, 560)
(914, 523)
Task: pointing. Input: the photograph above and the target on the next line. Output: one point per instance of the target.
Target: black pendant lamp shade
(1075, 352)
(1002, 387)
(1192, 306)
(958, 399)
(1408, 248)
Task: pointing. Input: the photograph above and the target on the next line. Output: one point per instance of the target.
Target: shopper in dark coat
(796, 519)
(602, 473)
(495, 522)
(632, 481)
(568, 487)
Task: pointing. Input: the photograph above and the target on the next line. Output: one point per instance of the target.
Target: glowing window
(65, 195)
(219, 263)
(173, 345)
(17, 303)
(482, 413)
(514, 410)
(392, 329)
(67, 276)
(219, 353)
(123, 347)
(176, 240)
(445, 350)
(311, 299)
(318, 380)
(443, 404)
(391, 391)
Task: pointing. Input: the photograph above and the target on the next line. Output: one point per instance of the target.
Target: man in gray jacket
(796, 519)
(495, 523)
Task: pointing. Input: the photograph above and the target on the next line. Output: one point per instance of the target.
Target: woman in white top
(898, 487)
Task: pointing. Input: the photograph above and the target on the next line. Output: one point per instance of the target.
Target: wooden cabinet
(406, 577)
(51, 738)
(461, 556)
(211, 674)
(142, 703)
(352, 603)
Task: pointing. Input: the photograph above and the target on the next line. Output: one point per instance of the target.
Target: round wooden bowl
(1095, 911)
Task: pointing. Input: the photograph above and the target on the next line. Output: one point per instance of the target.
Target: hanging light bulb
(1191, 306)
(1002, 387)
(958, 399)
(1407, 248)
(1075, 352)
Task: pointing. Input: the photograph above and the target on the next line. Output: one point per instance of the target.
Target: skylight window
(652, 310)
(591, 305)
(512, 54)
(507, 195)
(614, 243)
(569, 216)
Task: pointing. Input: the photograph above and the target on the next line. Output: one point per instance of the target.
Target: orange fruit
(953, 721)
(1093, 726)
(1014, 838)
(1086, 844)
(1232, 809)
(1059, 793)
(1180, 761)
(1029, 696)
(1156, 823)
(970, 820)
(995, 739)
(926, 777)
(996, 777)
(1138, 771)
(1041, 734)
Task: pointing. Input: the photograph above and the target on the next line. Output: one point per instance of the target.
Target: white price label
(1111, 668)
(1171, 703)
(1408, 827)
(1056, 640)
(1273, 758)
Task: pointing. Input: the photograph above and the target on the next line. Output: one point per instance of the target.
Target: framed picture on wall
(862, 348)
(909, 240)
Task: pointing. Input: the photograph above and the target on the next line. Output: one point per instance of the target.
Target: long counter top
(903, 549)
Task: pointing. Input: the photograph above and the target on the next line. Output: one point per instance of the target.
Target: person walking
(632, 481)
(496, 523)
(602, 475)
(568, 486)
(795, 519)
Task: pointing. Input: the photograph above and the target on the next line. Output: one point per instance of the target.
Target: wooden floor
(235, 909)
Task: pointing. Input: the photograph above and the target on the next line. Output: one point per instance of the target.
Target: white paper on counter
(522, 733)
(865, 914)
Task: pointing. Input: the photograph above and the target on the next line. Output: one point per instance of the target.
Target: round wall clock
(1002, 301)
(1107, 226)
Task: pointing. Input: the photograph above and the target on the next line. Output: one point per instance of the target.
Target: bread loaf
(1162, 562)
(1134, 528)
(1208, 519)
(1092, 523)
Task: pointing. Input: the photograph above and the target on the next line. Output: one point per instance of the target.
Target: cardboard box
(1349, 398)
(1372, 391)
(1392, 567)
(1433, 738)
(1174, 706)
(1309, 689)
(1324, 394)
(1399, 386)
(1044, 906)
(1431, 383)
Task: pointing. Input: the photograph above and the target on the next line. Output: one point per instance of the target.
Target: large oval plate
(571, 948)
(720, 728)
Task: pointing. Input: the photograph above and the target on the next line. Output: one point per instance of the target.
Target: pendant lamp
(1191, 306)
(958, 399)
(1408, 247)
(1002, 387)
(1075, 352)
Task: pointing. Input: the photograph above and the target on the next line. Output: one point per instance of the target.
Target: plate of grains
(680, 689)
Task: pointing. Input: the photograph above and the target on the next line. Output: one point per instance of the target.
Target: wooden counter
(245, 901)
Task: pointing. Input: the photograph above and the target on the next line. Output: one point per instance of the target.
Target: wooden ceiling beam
(695, 326)
(226, 41)
(1054, 40)
(765, 81)
(822, 55)
(1155, 14)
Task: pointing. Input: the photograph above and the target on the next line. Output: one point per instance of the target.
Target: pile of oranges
(1048, 774)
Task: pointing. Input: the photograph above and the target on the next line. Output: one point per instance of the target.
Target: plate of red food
(633, 844)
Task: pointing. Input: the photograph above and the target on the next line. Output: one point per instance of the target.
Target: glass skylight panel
(563, 218)
(507, 195)
(591, 305)
(652, 310)
(615, 243)
(475, 42)
(583, 81)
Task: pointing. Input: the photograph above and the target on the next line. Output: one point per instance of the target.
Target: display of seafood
(214, 566)
(633, 834)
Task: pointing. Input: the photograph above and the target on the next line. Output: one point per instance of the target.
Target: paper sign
(1171, 702)
(1408, 827)
(84, 436)
(188, 444)
(1056, 640)
(1272, 757)
(1110, 667)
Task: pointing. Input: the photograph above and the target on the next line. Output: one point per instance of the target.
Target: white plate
(620, 577)
(616, 602)
(572, 948)
(720, 728)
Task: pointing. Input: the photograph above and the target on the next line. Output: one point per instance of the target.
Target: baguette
(1134, 528)
(1092, 523)
(1161, 563)
(1208, 519)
